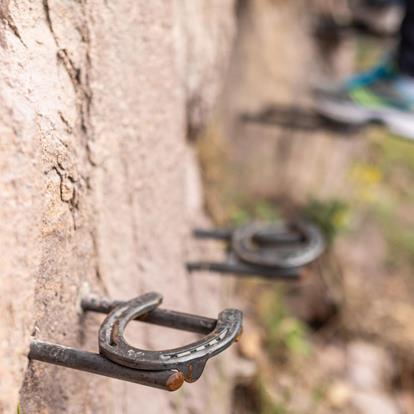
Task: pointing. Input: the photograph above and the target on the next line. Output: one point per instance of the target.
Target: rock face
(98, 185)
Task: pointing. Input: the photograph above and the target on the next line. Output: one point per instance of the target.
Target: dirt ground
(341, 340)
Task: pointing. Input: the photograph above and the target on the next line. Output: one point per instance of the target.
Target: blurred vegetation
(285, 335)
(332, 216)
(378, 193)
(384, 193)
(267, 402)
(257, 210)
(384, 183)
(268, 406)
(392, 152)
(257, 398)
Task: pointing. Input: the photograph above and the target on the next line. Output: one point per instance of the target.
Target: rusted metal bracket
(166, 369)
(275, 251)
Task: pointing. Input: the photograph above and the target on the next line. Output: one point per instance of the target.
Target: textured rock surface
(98, 186)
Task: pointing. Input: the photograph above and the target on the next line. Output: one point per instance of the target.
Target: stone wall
(99, 186)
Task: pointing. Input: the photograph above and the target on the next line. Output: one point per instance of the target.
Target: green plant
(284, 333)
(331, 216)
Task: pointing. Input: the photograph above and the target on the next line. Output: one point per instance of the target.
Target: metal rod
(216, 234)
(245, 270)
(296, 118)
(161, 317)
(168, 380)
(278, 238)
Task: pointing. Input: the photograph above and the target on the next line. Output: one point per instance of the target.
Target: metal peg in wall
(278, 251)
(166, 369)
(296, 118)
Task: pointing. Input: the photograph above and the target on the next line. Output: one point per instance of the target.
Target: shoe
(379, 96)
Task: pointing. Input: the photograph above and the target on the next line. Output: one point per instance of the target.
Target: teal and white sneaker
(380, 96)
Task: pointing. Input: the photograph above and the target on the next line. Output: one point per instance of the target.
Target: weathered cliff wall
(99, 186)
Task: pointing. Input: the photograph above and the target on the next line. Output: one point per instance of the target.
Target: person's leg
(406, 50)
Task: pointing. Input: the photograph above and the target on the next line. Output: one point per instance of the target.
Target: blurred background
(340, 340)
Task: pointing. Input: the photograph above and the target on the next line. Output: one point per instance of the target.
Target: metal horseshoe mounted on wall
(166, 369)
(278, 251)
